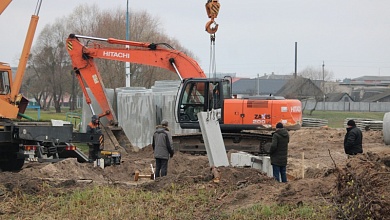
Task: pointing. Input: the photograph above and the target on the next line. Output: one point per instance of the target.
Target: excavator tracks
(254, 143)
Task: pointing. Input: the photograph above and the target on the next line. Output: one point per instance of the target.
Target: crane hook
(212, 9)
(209, 28)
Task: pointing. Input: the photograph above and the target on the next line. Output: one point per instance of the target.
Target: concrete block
(212, 136)
(243, 159)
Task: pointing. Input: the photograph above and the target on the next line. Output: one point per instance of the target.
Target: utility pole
(296, 59)
(323, 82)
(258, 84)
(127, 64)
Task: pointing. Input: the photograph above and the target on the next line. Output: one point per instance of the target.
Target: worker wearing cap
(163, 148)
(278, 152)
(93, 128)
(353, 139)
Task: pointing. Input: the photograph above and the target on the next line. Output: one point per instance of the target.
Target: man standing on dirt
(93, 128)
(278, 152)
(353, 139)
(163, 148)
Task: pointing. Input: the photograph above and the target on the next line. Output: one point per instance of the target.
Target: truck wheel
(17, 164)
(13, 164)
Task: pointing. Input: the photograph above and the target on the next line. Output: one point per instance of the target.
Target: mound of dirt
(319, 170)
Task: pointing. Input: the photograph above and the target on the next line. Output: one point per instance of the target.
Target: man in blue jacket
(163, 148)
(278, 152)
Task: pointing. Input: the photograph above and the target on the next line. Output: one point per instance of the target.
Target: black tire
(13, 164)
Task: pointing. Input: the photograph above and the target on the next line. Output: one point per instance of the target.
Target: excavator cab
(233, 114)
(200, 95)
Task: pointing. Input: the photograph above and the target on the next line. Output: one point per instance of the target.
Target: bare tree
(50, 64)
(84, 20)
(316, 73)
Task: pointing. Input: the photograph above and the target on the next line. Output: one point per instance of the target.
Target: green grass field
(47, 115)
(336, 118)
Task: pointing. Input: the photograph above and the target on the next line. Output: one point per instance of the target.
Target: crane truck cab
(10, 108)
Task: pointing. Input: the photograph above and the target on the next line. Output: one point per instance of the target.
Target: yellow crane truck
(22, 140)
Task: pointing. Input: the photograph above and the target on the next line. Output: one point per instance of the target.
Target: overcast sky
(254, 37)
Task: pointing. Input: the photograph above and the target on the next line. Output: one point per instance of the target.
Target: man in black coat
(278, 152)
(163, 148)
(353, 139)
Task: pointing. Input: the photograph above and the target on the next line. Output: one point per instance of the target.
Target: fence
(348, 106)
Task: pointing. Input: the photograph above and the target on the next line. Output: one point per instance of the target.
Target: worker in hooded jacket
(353, 139)
(278, 152)
(163, 148)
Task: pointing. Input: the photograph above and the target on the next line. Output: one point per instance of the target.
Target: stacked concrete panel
(136, 115)
(139, 110)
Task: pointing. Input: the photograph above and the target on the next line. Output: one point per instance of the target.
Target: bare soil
(317, 167)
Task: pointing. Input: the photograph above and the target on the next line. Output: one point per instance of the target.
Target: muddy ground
(317, 167)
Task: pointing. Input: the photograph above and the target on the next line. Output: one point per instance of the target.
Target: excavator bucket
(116, 139)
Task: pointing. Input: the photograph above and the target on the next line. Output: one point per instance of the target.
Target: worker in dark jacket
(94, 128)
(163, 148)
(278, 152)
(353, 139)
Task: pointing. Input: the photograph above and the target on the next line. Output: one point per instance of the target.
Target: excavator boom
(135, 52)
(142, 53)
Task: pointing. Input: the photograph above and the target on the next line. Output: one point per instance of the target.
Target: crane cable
(212, 9)
(213, 72)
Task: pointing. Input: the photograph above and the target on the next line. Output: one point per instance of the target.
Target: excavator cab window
(192, 101)
(214, 96)
(4, 83)
(227, 89)
(200, 95)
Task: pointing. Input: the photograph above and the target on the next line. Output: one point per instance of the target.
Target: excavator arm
(158, 55)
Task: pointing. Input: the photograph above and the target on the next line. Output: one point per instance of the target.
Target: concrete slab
(212, 136)
(136, 111)
(243, 159)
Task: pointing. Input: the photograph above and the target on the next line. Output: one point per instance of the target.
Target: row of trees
(49, 73)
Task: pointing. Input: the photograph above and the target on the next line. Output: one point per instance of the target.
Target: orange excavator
(196, 94)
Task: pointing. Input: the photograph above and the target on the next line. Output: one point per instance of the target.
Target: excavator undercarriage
(254, 143)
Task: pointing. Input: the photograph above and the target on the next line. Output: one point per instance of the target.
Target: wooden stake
(303, 165)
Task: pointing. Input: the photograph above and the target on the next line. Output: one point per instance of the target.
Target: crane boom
(13, 103)
(3, 5)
